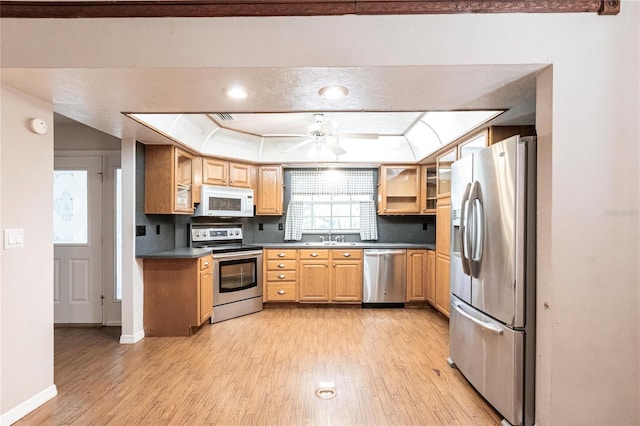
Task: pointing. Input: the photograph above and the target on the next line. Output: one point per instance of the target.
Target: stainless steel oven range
(237, 269)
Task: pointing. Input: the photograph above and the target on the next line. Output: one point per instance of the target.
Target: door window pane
(70, 207)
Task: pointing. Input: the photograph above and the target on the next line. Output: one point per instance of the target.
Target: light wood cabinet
(399, 190)
(428, 189)
(270, 193)
(443, 164)
(346, 279)
(215, 171)
(330, 275)
(417, 275)
(226, 173)
(443, 246)
(442, 284)
(168, 180)
(280, 275)
(205, 284)
(431, 280)
(314, 276)
(241, 175)
(178, 295)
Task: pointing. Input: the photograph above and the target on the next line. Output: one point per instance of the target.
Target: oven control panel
(215, 234)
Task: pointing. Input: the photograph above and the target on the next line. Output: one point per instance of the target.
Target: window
(331, 212)
(70, 207)
(331, 200)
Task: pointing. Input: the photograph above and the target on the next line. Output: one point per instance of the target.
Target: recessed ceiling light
(333, 92)
(237, 93)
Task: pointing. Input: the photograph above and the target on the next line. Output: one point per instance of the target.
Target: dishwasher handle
(383, 252)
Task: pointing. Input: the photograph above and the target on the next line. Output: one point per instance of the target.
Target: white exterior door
(77, 240)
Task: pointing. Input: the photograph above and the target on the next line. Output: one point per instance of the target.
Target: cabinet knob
(281, 255)
(281, 292)
(314, 254)
(346, 254)
(282, 265)
(334, 265)
(206, 263)
(282, 276)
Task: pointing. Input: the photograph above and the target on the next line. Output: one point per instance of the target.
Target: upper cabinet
(429, 189)
(443, 165)
(399, 189)
(270, 193)
(168, 181)
(226, 173)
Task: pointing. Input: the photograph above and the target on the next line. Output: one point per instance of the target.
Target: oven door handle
(237, 254)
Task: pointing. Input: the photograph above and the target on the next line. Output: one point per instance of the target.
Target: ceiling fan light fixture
(333, 92)
(237, 93)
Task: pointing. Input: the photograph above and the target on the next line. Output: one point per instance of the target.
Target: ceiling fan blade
(328, 126)
(336, 149)
(298, 145)
(358, 135)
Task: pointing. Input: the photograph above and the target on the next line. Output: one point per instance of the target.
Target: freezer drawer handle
(489, 327)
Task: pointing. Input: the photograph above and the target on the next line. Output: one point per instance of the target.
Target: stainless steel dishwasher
(385, 278)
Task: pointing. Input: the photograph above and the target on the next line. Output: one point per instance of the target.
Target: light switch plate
(13, 238)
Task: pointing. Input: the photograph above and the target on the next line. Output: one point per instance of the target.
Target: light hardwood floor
(388, 365)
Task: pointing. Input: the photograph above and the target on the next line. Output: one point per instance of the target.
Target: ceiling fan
(322, 135)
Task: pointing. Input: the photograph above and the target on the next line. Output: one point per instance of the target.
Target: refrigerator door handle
(475, 234)
(464, 236)
(484, 325)
(478, 217)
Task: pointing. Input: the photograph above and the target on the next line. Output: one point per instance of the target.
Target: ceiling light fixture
(333, 92)
(237, 93)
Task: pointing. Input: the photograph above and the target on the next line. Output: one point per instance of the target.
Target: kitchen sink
(327, 244)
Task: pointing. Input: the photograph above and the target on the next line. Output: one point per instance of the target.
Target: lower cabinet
(331, 276)
(417, 275)
(178, 295)
(280, 275)
(346, 276)
(442, 284)
(431, 280)
(314, 280)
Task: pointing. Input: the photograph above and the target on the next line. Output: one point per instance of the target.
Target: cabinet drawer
(281, 254)
(285, 292)
(338, 254)
(314, 254)
(206, 262)
(275, 276)
(277, 265)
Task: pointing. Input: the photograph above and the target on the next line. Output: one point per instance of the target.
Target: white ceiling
(98, 97)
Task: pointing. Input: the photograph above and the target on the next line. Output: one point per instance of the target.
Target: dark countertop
(179, 253)
(363, 245)
(194, 253)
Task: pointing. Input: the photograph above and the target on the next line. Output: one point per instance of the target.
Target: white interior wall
(26, 201)
(588, 357)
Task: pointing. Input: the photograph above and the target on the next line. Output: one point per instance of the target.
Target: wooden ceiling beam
(232, 8)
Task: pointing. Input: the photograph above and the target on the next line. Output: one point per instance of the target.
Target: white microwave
(223, 201)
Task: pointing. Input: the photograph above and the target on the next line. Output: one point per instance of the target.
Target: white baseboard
(114, 323)
(130, 339)
(21, 410)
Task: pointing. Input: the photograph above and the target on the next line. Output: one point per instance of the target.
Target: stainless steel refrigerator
(492, 316)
